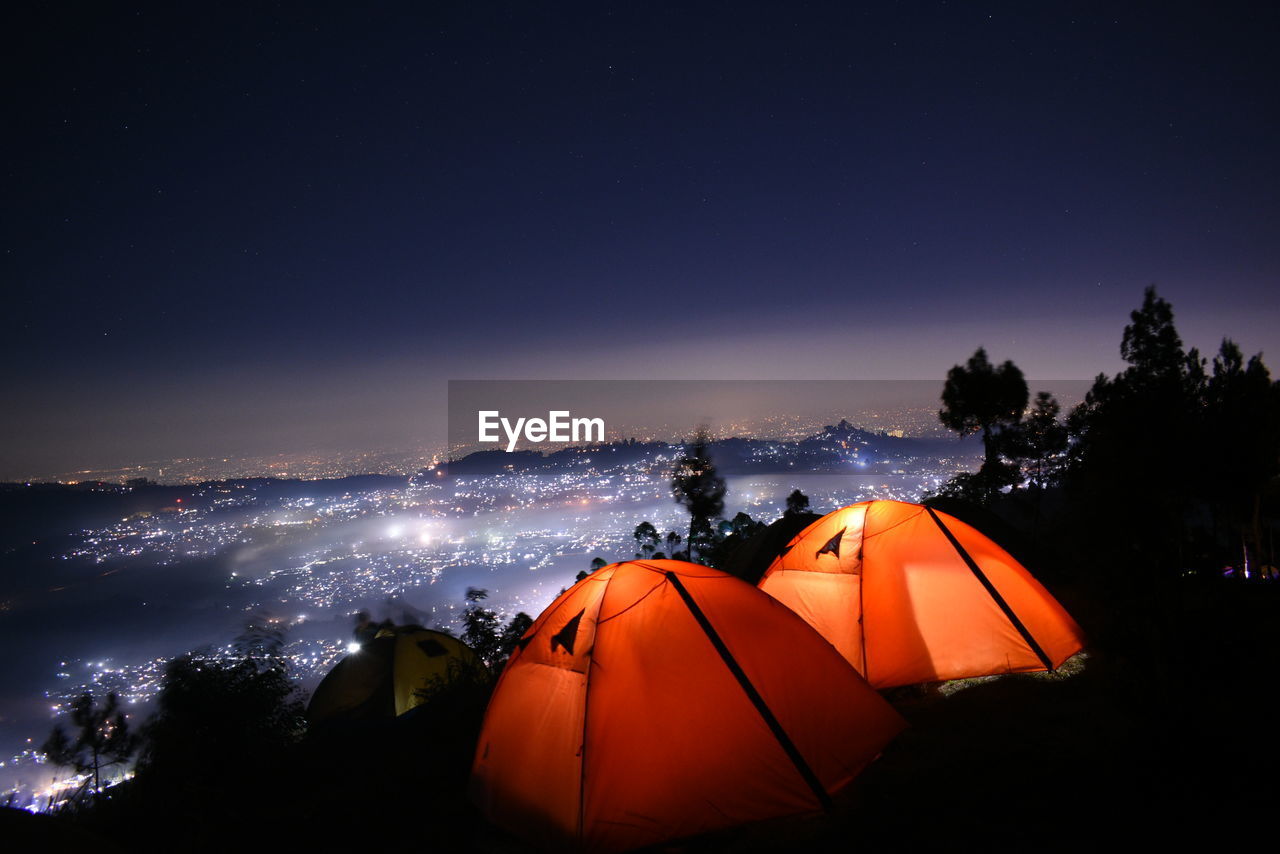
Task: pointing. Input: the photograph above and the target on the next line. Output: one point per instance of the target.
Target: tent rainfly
(659, 699)
(909, 594)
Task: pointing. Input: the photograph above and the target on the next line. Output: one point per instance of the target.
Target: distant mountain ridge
(39, 510)
(837, 448)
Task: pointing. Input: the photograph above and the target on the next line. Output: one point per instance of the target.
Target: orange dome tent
(660, 699)
(908, 594)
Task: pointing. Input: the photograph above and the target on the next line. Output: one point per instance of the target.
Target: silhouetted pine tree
(100, 740)
(222, 718)
(1038, 443)
(647, 539)
(699, 488)
(981, 398)
(797, 503)
(1134, 455)
(481, 629)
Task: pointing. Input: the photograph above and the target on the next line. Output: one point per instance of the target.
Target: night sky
(253, 229)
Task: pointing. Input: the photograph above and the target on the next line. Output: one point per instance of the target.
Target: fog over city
(189, 562)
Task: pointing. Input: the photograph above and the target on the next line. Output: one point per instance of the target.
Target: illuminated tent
(380, 679)
(908, 594)
(660, 699)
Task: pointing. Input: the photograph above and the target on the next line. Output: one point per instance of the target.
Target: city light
(521, 535)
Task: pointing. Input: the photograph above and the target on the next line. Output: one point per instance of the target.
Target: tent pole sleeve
(995, 594)
(784, 740)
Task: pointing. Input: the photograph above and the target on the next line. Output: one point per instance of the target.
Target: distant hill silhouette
(826, 451)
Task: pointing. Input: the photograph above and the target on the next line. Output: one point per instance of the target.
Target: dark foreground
(1162, 732)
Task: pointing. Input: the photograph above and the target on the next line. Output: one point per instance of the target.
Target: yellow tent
(382, 677)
